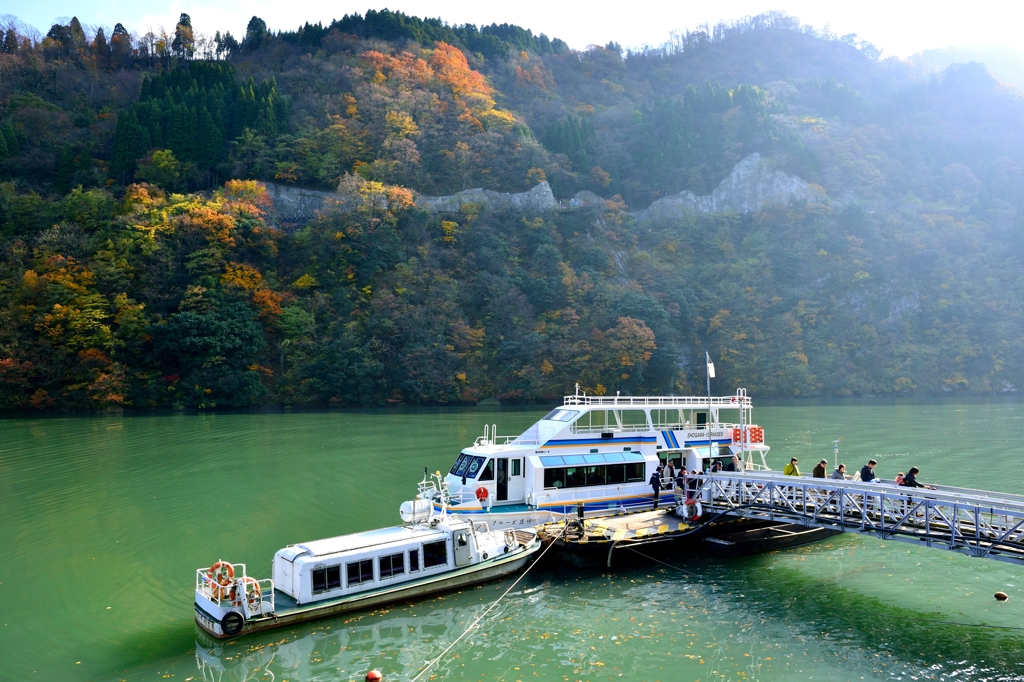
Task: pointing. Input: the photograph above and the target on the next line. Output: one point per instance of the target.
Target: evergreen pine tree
(65, 170)
(4, 153)
(13, 139)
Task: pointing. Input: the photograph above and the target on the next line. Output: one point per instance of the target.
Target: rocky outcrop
(753, 183)
(537, 200)
(295, 205)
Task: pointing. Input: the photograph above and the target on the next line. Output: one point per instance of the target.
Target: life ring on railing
(246, 590)
(221, 573)
(481, 493)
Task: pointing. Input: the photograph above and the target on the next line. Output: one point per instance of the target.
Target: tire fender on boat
(691, 511)
(232, 623)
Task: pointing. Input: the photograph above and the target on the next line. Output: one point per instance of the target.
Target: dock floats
(587, 542)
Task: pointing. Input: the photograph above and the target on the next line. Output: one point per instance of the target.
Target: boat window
(488, 474)
(325, 579)
(516, 467)
(554, 478)
(455, 467)
(435, 554)
(581, 477)
(573, 459)
(560, 415)
(551, 461)
(360, 572)
(463, 465)
(414, 560)
(474, 466)
(634, 472)
(614, 457)
(393, 564)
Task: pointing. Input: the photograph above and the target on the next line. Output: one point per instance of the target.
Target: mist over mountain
(1006, 64)
(143, 262)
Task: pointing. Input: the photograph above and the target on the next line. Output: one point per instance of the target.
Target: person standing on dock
(791, 469)
(656, 486)
(867, 472)
(840, 473)
(819, 469)
(670, 471)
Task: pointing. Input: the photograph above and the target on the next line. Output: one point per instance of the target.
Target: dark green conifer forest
(142, 264)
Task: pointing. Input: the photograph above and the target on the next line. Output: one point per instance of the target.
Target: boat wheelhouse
(431, 552)
(600, 451)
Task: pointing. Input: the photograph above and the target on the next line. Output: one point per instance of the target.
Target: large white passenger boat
(599, 451)
(432, 551)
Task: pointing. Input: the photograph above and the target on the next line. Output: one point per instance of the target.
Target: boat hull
(492, 569)
(766, 539)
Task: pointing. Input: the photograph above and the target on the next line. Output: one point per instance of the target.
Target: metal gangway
(973, 522)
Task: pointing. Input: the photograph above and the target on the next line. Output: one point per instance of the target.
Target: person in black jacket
(910, 480)
(867, 472)
(656, 485)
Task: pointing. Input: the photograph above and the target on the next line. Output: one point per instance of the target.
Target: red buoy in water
(374, 676)
(1002, 596)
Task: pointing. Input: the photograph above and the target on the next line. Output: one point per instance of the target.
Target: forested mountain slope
(140, 266)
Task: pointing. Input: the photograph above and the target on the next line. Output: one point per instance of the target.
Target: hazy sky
(899, 27)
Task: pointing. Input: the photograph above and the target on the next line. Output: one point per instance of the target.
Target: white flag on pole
(711, 367)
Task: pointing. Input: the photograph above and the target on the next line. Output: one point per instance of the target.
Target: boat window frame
(515, 467)
(362, 579)
(328, 584)
(414, 560)
(470, 472)
(393, 568)
(461, 459)
(487, 474)
(560, 414)
(558, 477)
(444, 553)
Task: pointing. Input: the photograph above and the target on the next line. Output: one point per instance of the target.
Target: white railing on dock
(975, 522)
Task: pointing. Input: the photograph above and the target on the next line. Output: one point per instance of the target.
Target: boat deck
(649, 525)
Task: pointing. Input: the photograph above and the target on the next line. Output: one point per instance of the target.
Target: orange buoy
(1002, 596)
(373, 676)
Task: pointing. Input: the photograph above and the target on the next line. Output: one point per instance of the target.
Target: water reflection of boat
(600, 451)
(399, 640)
(766, 538)
(431, 552)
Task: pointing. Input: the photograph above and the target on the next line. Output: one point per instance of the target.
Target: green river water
(103, 521)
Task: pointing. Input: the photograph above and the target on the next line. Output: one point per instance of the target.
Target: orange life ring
(221, 573)
(247, 588)
(481, 493)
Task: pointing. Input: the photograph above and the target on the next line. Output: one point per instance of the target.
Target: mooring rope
(451, 646)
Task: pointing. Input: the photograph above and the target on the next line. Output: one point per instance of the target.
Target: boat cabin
(602, 451)
(376, 559)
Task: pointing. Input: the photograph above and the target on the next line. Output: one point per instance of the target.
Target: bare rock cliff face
(751, 184)
(537, 200)
(294, 206)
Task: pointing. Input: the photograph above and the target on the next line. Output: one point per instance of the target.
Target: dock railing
(974, 522)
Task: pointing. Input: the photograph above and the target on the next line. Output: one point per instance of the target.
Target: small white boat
(432, 551)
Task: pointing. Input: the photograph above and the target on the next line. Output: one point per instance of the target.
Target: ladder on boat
(974, 522)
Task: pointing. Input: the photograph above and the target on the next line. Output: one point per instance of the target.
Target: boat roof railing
(656, 401)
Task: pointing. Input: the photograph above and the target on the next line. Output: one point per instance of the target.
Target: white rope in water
(451, 646)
